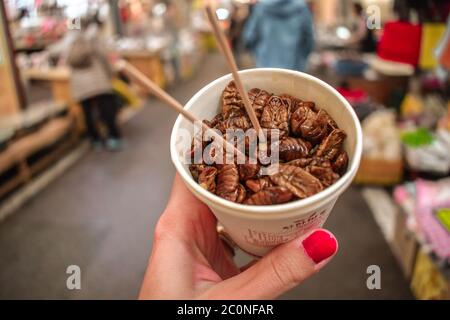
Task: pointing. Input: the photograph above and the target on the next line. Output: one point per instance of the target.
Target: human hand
(190, 261)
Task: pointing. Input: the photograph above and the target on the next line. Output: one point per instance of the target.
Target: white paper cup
(257, 229)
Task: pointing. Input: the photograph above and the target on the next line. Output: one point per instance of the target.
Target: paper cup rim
(279, 210)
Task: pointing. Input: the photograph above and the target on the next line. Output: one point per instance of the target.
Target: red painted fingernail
(320, 245)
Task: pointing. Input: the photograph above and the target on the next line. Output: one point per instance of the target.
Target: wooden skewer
(139, 77)
(220, 37)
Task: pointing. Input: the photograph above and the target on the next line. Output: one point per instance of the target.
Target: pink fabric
(400, 194)
(428, 200)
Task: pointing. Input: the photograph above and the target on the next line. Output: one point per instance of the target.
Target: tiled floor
(100, 215)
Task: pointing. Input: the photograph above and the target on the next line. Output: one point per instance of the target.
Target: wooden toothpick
(139, 77)
(220, 37)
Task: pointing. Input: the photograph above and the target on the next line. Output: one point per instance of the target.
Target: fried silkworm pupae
(310, 144)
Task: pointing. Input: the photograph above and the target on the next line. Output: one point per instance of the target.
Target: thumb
(282, 269)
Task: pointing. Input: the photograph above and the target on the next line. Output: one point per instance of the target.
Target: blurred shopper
(363, 38)
(350, 63)
(90, 80)
(280, 34)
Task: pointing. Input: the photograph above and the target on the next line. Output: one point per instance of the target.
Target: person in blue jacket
(280, 34)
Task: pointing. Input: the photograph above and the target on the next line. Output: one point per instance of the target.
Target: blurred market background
(63, 203)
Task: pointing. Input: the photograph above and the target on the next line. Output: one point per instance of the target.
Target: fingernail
(320, 245)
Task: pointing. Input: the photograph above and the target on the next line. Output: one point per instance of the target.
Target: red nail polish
(320, 245)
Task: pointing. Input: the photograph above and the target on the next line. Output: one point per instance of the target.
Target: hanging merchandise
(400, 42)
(432, 34)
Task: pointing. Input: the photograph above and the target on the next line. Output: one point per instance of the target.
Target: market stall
(406, 166)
